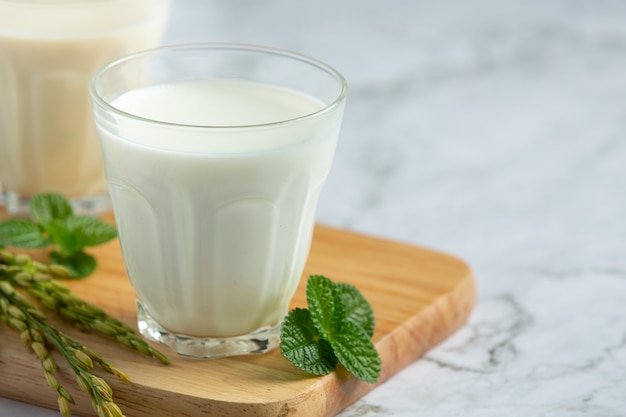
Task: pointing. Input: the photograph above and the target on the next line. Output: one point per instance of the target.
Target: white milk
(48, 52)
(215, 224)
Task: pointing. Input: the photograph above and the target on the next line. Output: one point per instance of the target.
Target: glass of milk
(215, 157)
(49, 49)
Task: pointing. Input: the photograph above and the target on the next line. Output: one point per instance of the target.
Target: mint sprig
(336, 328)
(55, 225)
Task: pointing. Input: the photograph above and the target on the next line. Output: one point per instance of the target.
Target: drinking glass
(49, 49)
(215, 156)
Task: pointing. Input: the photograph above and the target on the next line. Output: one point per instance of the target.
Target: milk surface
(215, 223)
(48, 52)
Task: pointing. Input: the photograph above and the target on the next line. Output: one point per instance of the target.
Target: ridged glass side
(224, 270)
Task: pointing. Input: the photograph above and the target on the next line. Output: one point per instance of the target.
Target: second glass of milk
(49, 49)
(215, 156)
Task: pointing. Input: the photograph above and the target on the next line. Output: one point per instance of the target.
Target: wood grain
(419, 298)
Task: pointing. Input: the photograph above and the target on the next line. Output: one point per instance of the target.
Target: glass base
(91, 205)
(257, 342)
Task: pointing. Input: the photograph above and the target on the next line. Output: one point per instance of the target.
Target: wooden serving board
(419, 298)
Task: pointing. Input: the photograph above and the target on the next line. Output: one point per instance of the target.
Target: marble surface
(493, 130)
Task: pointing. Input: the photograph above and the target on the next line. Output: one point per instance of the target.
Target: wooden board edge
(461, 301)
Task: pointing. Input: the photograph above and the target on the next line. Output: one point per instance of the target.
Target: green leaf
(90, 231)
(357, 309)
(301, 344)
(327, 312)
(63, 236)
(77, 232)
(80, 264)
(22, 233)
(356, 352)
(337, 328)
(49, 206)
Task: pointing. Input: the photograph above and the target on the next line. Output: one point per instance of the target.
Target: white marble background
(493, 130)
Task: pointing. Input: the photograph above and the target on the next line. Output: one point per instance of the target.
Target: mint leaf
(301, 344)
(80, 264)
(357, 309)
(63, 236)
(74, 233)
(327, 312)
(55, 224)
(356, 352)
(22, 233)
(337, 328)
(90, 231)
(49, 206)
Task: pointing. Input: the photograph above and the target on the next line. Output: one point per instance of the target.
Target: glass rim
(101, 101)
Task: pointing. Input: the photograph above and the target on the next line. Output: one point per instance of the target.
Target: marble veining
(492, 130)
